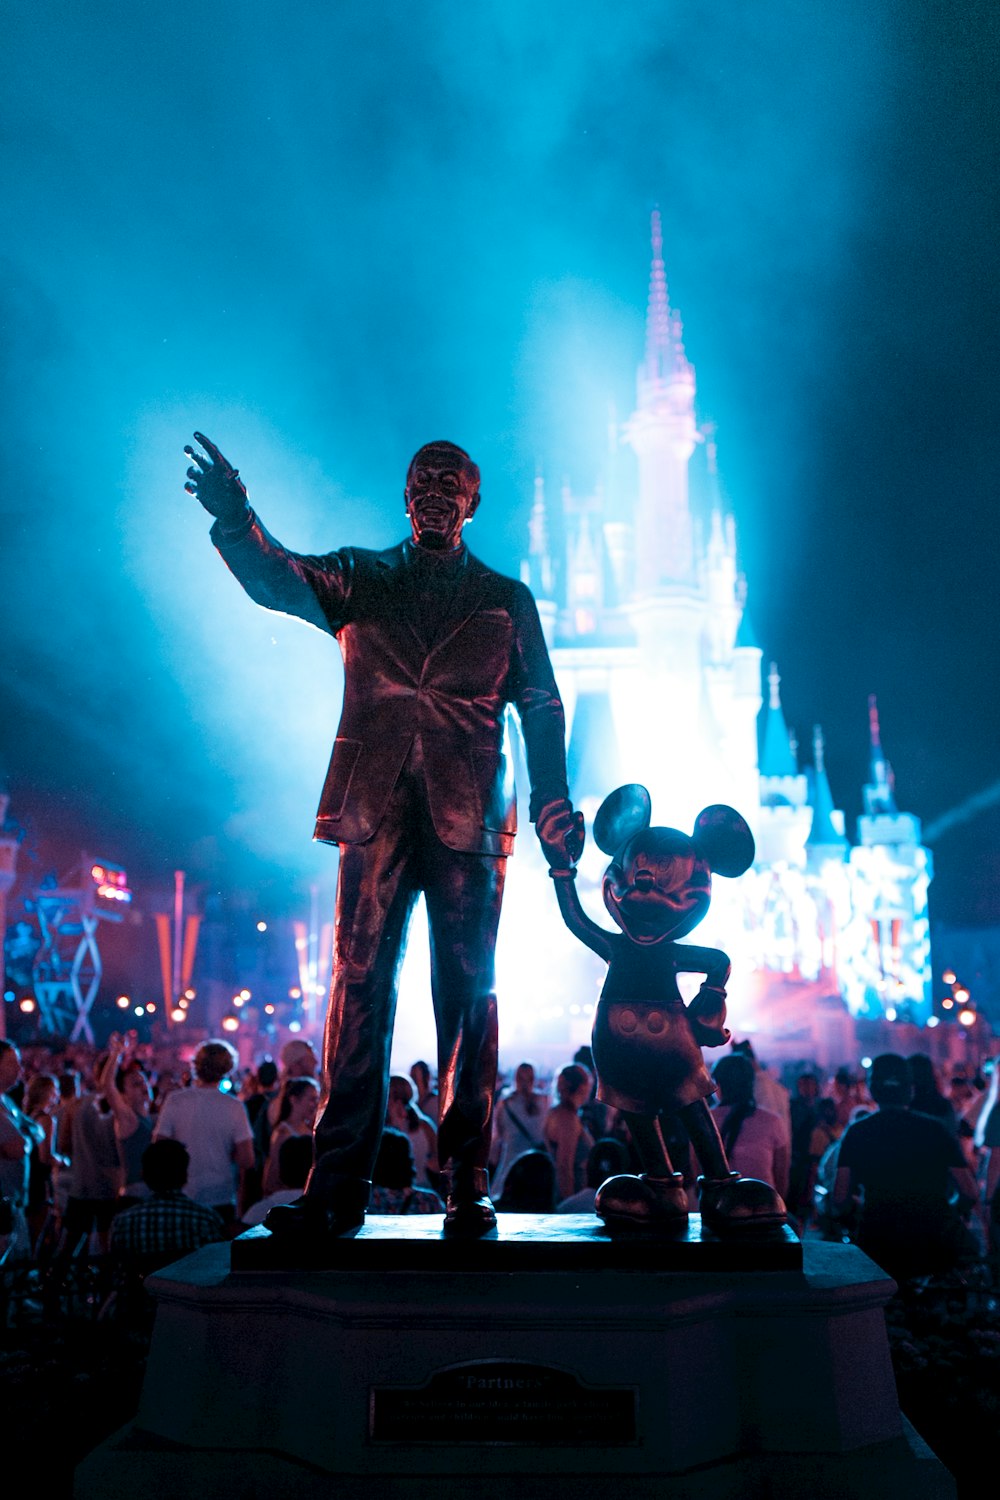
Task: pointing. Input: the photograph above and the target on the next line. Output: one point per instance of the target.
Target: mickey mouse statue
(646, 1041)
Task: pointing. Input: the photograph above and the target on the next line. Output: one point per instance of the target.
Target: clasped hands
(561, 834)
(216, 484)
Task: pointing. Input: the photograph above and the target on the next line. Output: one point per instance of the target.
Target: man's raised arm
(314, 589)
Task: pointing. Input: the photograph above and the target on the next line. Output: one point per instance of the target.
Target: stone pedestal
(548, 1352)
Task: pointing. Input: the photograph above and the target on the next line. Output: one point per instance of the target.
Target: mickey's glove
(707, 1015)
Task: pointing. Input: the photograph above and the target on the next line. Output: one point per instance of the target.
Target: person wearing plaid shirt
(168, 1223)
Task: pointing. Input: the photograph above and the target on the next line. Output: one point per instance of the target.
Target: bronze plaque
(503, 1401)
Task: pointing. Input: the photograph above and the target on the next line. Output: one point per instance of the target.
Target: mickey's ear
(623, 813)
(723, 840)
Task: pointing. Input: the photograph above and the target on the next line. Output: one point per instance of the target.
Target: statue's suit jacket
(449, 685)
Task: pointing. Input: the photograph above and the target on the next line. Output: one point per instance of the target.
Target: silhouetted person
(927, 1097)
(907, 1173)
(519, 1124)
(393, 1188)
(427, 1099)
(159, 1229)
(167, 1224)
(295, 1159)
(754, 1138)
(530, 1187)
(804, 1112)
(214, 1127)
(608, 1158)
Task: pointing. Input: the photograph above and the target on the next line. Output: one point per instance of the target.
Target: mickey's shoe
(654, 1204)
(740, 1205)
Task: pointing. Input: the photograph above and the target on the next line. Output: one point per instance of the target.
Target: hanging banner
(191, 927)
(166, 961)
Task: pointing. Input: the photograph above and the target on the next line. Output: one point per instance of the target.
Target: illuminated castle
(644, 608)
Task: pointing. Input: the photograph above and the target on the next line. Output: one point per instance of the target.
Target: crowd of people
(108, 1156)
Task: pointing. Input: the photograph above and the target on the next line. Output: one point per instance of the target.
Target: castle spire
(658, 315)
(777, 757)
(824, 832)
(880, 793)
(663, 432)
(665, 360)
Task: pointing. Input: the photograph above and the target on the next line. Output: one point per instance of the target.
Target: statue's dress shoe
(654, 1204)
(740, 1205)
(469, 1213)
(314, 1220)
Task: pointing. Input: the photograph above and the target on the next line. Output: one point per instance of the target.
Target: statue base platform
(699, 1369)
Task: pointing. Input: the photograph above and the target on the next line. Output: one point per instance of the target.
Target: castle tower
(785, 814)
(880, 792)
(676, 724)
(663, 432)
(890, 970)
(827, 839)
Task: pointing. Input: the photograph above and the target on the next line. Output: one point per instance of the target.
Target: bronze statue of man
(419, 799)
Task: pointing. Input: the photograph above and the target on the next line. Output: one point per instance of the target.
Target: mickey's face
(657, 887)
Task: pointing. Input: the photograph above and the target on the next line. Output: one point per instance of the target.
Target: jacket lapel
(465, 601)
(394, 574)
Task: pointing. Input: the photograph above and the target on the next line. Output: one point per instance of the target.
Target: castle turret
(719, 569)
(785, 814)
(891, 969)
(880, 792)
(827, 839)
(777, 761)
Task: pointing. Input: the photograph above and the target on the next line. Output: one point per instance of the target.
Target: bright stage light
(27, 1005)
(123, 1002)
(261, 926)
(230, 1023)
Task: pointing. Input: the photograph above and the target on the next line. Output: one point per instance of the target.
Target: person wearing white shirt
(215, 1128)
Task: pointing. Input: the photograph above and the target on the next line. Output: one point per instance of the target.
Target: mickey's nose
(644, 880)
